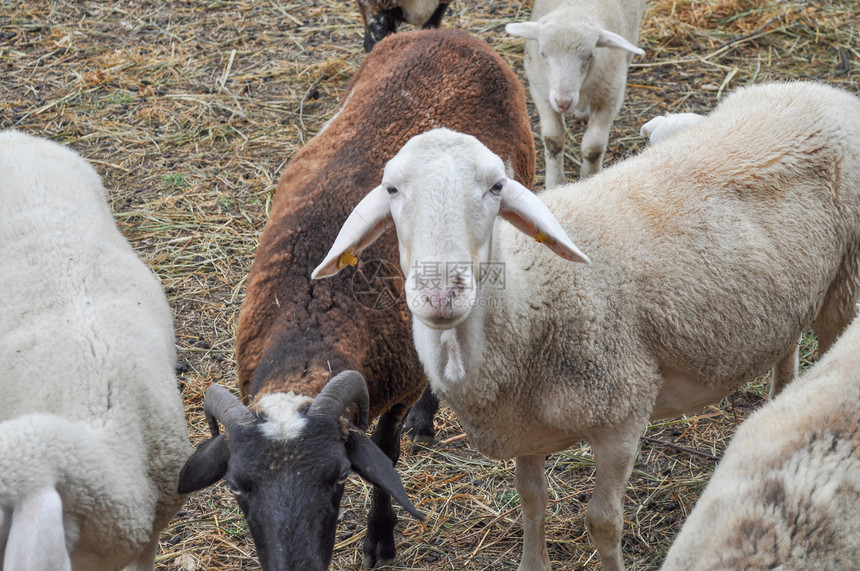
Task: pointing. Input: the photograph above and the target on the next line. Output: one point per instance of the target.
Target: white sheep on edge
(662, 127)
(576, 60)
(786, 494)
(710, 255)
(92, 429)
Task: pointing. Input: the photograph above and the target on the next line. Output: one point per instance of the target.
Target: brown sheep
(294, 332)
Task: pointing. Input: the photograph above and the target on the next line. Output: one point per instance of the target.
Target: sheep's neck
(453, 357)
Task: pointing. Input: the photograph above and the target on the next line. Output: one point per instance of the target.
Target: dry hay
(190, 109)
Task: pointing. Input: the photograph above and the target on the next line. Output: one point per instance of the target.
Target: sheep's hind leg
(419, 422)
(379, 546)
(435, 19)
(531, 485)
(839, 307)
(785, 371)
(614, 452)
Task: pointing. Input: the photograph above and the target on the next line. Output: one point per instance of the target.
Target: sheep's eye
(233, 488)
(496, 188)
(391, 190)
(343, 478)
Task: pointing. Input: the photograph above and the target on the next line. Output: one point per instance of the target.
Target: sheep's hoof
(378, 554)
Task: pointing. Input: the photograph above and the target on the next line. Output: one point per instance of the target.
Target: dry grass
(190, 108)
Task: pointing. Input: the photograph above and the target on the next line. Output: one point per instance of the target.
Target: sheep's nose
(563, 105)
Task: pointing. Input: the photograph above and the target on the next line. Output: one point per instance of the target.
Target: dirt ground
(189, 109)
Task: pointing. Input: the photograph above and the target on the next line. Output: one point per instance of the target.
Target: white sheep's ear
(527, 30)
(607, 39)
(36, 539)
(370, 218)
(651, 126)
(530, 215)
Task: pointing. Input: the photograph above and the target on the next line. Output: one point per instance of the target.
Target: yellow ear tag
(542, 238)
(347, 259)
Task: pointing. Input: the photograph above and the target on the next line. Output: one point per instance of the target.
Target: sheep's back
(293, 332)
(79, 309)
(730, 235)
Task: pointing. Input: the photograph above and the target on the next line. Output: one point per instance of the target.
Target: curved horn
(220, 404)
(345, 388)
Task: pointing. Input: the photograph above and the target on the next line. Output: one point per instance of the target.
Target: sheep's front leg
(146, 560)
(594, 141)
(379, 542)
(531, 485)
(552, 134)
(614, 452)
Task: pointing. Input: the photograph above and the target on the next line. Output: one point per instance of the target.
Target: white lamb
(576, 61)
(710, 255)
(662, 127)
(92, 430)
(786, 494)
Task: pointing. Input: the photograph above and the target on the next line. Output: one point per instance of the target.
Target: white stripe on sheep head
(443, 191)
(566, 42)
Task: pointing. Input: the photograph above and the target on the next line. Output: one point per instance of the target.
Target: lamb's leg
(785, 371)
(552, 134)
(594, 141)
(419, 422)
(379, 543)
(614, 452)
(36, 535)
(531, 485)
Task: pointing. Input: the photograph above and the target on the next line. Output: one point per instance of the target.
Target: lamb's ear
(530, 215)
(527, 30)
(607, 39)
(370, 218)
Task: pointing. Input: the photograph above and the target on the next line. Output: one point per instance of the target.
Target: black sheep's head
(285, 461)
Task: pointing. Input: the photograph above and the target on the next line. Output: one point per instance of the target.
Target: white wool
(710, 253)
(283, 422)
(90, 405)
(787, 492)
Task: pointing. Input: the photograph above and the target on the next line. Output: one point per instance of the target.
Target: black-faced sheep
(710, 254)
(576, 60)
(293, 332)
(381, 17)
(92, 430)
(786, 494)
